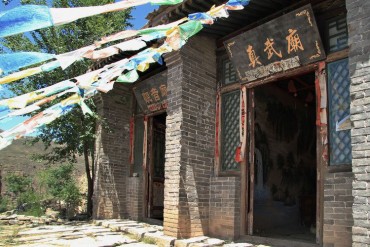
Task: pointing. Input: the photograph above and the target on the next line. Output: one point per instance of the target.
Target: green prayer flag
(189, 29)
(165, 2)
(129, 77)
(160, 31)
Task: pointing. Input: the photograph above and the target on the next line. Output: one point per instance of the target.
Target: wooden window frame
(339, 55)
(222, 89)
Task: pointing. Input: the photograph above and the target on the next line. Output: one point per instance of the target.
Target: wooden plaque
(151, 94)
(287, 42)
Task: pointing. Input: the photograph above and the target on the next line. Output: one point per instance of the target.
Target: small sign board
(151, 94)
(287, 42)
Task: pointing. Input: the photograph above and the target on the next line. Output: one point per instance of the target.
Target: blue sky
(138, 21)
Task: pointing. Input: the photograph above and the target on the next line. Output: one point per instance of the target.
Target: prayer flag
(23, 19)
(14, 61)
(27, 18)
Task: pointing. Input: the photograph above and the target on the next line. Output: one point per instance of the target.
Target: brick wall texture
(358, 19)
(112, 154)
(338, 201)
(190, 137)
(135, 199)
(224, 208)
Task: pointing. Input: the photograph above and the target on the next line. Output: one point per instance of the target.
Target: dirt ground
(8, 234)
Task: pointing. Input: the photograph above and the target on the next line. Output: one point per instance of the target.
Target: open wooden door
(250, 161)
(247, 166)
(156, 171)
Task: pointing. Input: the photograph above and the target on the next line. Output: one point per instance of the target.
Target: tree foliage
(17, 184)
(25, 197)
(32, 195)
(73, 133)
(61, 185)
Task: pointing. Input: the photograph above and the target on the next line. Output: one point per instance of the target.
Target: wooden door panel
(157, 170)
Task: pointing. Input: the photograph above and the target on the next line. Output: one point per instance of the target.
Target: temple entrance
(282, 188)
(156, 167)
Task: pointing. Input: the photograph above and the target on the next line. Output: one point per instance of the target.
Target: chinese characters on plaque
(287, 42)
(151, 94)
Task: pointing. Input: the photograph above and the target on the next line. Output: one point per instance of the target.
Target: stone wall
(358, 19)
(112, 153)
(190, 137)
(224, 210)
(338, 201)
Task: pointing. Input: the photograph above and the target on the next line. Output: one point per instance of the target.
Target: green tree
(21, 186)
(18, 184)
(61, 185)
(73, 133)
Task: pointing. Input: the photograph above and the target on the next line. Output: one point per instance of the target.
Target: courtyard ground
(101, 233)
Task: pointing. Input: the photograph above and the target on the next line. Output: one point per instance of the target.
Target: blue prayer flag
(23, 19)
(237, 2)
(13, 61)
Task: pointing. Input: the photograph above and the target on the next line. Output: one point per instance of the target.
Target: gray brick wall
(358, 19)
(190, 137)
(112, 154)
(134, 198)
(338, 201)
(224, 212)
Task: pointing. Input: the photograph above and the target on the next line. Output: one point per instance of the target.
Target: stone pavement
(109, 233)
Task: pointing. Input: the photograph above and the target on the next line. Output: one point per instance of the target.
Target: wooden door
(247, 165)
(156, 173)
(250, 161)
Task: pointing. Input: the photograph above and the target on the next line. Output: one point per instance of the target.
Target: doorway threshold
(276, 242)
(153, 221)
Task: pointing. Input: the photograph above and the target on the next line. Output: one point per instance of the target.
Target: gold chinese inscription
(155, 94)
(155, 98)
(158, 106)
(269, 48)
(253, 58)
(294, 42)
(318, 54)
(306, 13)
(229, 48)
(147, 98)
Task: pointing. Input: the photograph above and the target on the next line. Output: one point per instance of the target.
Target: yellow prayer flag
(20, 75)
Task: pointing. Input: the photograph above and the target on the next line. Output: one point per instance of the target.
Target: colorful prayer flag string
(103, 79)
(41, 119)
(32, 17)
(66, 59)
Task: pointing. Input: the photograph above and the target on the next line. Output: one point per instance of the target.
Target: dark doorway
(284, 189)
(156, 170)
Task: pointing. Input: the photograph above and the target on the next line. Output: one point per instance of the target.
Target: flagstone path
(104, 233)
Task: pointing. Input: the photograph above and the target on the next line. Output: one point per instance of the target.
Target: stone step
(151, 235)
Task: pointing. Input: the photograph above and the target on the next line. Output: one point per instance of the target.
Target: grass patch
(9, 235)
(133, 236)
(36, 211)
(148, 240)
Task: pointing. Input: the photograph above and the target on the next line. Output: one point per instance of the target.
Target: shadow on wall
(106, 200)
(191, 221)
(112, 155)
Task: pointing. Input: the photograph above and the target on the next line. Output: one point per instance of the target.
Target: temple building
(256, 129)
